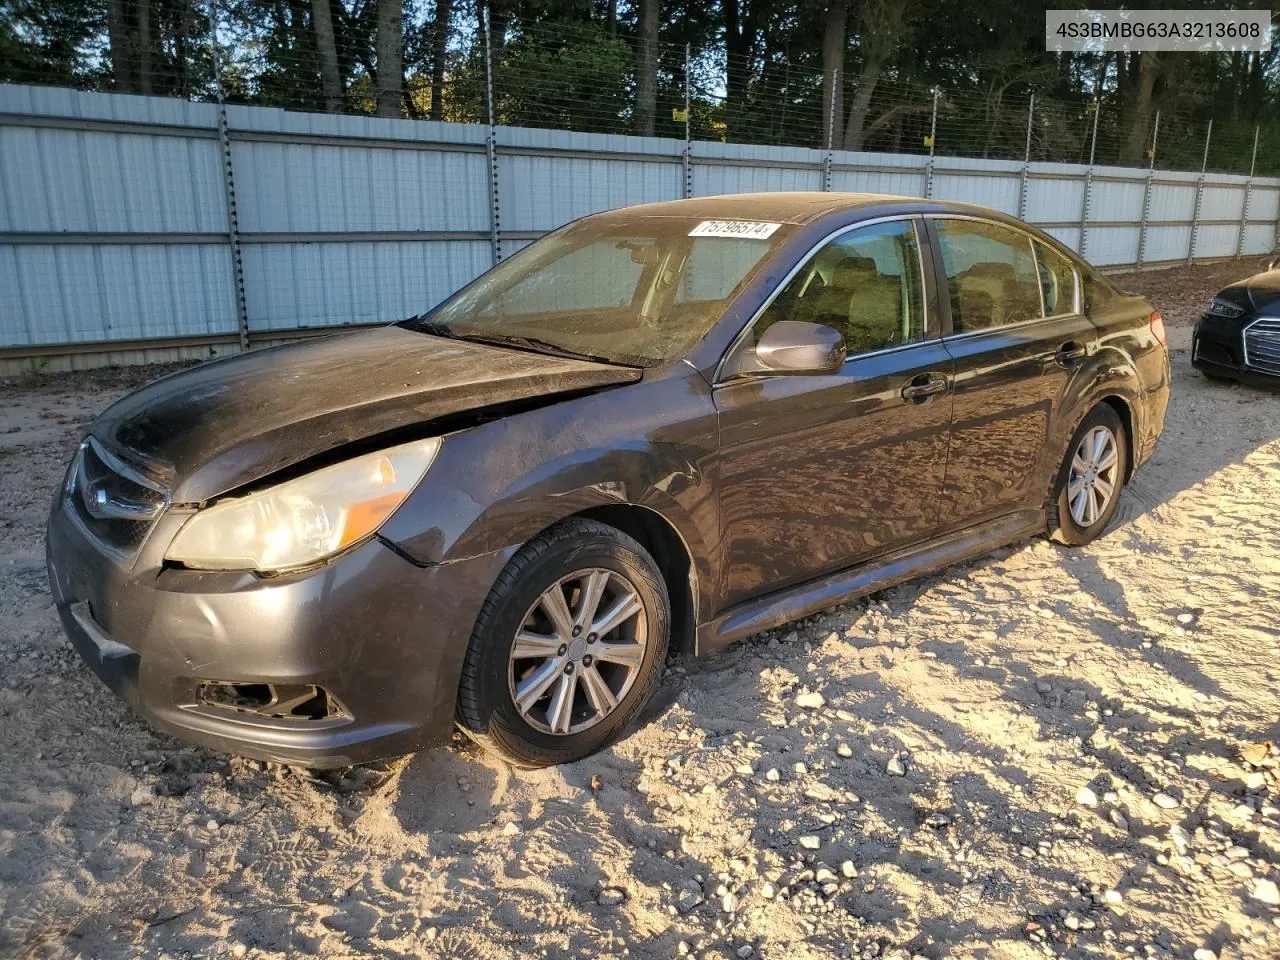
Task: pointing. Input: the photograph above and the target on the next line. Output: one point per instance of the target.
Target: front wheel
(1091, 478)
(567, 648)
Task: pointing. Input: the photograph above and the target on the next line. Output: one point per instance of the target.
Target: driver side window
(865, 284)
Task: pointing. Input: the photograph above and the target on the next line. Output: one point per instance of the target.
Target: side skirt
(797, 602)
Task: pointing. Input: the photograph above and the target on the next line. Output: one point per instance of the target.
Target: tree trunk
(145, 85)
(327, 48)
(439, 52)
(739, 42)
(833, 41)
(611, 16)
(867, 80)
(1140, 117)
(647, 67)
(122, 65)
(390, 53)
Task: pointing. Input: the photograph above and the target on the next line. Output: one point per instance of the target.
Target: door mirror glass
(796, 347)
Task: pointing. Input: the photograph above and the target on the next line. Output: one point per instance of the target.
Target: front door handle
(921, 388)
(1071, 353)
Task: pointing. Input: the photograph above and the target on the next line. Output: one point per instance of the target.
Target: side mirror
(792, 346)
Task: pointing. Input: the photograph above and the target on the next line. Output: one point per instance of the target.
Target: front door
(820, 472)
(1017, 336)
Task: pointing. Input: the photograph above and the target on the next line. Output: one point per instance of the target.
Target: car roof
(797, 207)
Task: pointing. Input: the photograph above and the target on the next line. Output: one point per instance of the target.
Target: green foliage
(754, 73)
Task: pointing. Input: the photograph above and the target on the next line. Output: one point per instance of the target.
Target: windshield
(633, 290)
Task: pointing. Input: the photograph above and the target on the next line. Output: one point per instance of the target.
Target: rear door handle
(1071, 353)
(923, 387)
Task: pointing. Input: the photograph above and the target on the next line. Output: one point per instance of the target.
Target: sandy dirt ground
(1043, 752)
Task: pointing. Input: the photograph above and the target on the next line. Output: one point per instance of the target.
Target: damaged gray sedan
(662, 428)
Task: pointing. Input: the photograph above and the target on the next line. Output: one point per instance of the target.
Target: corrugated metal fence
(140, 228)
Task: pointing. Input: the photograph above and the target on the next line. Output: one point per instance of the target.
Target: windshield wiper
(532, 343)
(431, 327)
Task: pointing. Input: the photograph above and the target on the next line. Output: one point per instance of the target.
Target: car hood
(1259, 292)
(214, 428)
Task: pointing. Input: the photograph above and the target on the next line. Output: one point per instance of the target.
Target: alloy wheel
(1094, 477)
(578, 651)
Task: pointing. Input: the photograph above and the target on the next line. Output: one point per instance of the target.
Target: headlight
(1224, 308)
(307, 519)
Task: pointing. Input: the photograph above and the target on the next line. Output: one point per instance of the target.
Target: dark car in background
(661, 428)
(1238, 337)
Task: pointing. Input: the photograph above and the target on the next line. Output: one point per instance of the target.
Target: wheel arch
(1125, 412)
(663, 540)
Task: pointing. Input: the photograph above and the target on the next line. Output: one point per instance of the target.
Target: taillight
(1157, 328)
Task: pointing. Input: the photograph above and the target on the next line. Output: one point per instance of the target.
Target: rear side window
(1057, 280)
(991, 274)
(865, 284)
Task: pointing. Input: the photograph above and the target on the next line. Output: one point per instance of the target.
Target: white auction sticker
(745, 229)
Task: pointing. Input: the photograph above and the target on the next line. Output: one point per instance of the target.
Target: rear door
(1017, 334)
(819, 472)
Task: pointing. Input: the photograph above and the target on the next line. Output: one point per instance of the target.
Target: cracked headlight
(307, 519)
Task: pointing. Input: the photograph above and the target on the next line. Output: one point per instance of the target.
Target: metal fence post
(491, 147)
(1248, 195)
(1026, 161)
(1195, 213)
(229, 186)
(1088, 181)
(831, 132)
(1146, 194)
(687, 153)
(933, 132)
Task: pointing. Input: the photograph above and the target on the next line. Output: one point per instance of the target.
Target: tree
(1140, 110)
(390, 77)
(439, 51)
(327, 51)
(882, 27)
(741, 35)
(647, 67)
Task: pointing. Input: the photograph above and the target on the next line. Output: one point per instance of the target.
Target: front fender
(496, 486)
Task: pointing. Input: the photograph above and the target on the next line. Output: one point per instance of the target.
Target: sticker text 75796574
(745, 229)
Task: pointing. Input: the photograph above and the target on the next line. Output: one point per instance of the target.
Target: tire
(1081, 522)
(577, 559)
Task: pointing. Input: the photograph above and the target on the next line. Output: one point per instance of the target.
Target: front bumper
(386, 637)
(1217, 348)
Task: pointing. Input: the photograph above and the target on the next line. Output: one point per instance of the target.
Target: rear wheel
(567, 648)
(1091, 477)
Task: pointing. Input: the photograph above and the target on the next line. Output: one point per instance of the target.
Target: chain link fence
(584, 77)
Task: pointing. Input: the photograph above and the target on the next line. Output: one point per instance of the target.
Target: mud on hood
(224, 424)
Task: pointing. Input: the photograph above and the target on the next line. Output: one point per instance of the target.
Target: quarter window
(865, 284)
(1057, 280)
(991, 274)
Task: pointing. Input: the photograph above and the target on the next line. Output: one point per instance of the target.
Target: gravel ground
(1041, 752)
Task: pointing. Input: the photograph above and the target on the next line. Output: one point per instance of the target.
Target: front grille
(1262, 345)
(116, 503)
